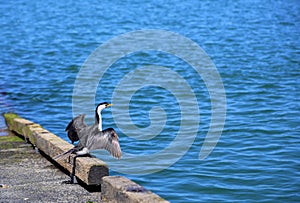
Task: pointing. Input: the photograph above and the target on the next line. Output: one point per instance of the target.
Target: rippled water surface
(255, 46)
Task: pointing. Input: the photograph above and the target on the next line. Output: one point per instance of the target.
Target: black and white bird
(92, 137)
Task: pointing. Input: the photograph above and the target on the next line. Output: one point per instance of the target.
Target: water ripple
(255, 46)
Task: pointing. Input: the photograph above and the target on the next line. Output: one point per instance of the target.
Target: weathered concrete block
(121, 189)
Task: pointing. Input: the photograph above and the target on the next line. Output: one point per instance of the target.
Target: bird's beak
(108, 105)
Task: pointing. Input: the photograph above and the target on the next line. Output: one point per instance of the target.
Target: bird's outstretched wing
(106, 139)
(74, 127)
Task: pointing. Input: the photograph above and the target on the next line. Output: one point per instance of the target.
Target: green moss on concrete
(9, 117)
(10, 138)
(8, 142)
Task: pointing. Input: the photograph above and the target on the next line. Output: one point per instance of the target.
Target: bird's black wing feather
(74, 127)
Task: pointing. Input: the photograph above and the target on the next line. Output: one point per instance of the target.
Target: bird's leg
(77, 154)
(82, 153)
(73, 177)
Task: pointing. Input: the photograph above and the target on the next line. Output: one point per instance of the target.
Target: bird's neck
(99, 120)
(100, 123)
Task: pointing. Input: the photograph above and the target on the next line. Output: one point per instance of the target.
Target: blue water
(255, 46)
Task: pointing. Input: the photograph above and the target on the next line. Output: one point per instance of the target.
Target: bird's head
(102, 106)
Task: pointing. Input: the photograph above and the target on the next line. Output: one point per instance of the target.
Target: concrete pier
(27, 176)
(92, 172)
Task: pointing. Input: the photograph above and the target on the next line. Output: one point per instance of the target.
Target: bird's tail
(65, 154)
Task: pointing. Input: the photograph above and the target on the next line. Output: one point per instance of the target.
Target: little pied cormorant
(92, 137)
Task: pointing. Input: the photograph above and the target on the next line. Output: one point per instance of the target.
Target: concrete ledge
(89, 170)
(121, 189)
